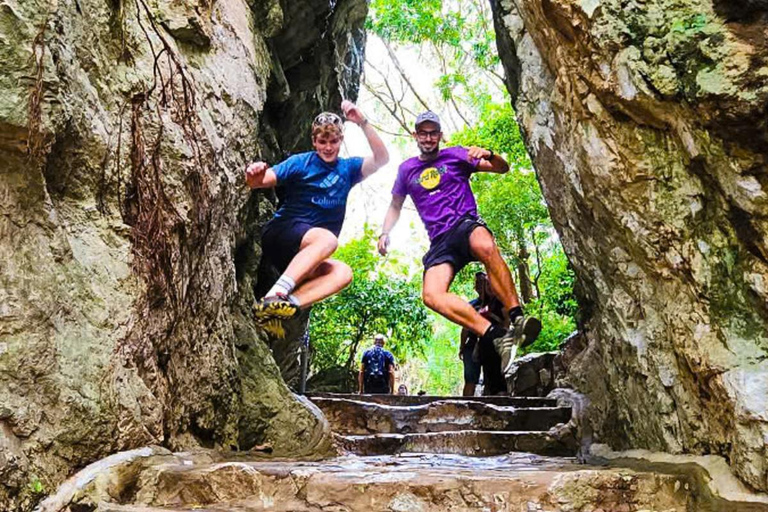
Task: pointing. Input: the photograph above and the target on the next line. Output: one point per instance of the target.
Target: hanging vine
(35, 138)
(168, 252)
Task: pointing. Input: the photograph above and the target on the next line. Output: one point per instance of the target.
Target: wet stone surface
(358, 418)
(412, 482)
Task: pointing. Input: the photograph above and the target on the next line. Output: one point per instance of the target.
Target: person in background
(377, 369)
(402, 389)
(303, 234)
(475, 355)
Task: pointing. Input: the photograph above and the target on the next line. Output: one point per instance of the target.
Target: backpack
(376, 369)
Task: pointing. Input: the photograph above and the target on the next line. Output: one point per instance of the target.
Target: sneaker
(270, 312)
(526, 330)
(506, 346)
(274, 327)
(276, 306)
(521, 333)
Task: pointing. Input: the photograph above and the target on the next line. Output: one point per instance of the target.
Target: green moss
(731, 302)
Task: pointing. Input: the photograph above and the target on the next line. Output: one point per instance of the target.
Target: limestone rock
(647, 125)
(128, 239)
(532, 375)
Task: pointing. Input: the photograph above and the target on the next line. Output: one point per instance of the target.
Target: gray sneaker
(506, 346)
(526, 330)
(521, 333)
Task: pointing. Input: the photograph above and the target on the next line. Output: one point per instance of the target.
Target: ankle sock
(294, 300)
(284, 285)
(515, 312)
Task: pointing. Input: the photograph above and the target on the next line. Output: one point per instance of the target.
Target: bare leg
(317, 245)
(328, 278)
(484, 248)
(436, 296)
(469, 389)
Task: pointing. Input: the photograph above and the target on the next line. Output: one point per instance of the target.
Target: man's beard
(431, 153)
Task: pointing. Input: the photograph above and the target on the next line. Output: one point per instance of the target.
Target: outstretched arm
(489, 161)
(390, 219)
(260, 175)
(380, 157)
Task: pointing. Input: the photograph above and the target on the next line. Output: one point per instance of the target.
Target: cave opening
(442, 57)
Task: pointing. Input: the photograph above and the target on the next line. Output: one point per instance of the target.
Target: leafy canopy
(375, 302)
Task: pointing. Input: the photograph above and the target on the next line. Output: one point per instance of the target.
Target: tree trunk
(523, 273)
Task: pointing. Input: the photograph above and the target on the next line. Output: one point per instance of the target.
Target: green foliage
(414, 21)
(555, 327)
(459, 35)
(376, 301)
(497, 130)
(439, 371)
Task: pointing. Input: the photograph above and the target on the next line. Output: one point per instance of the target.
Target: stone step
(410, 400)
(354, 417)
(427, 483)
(475, 443)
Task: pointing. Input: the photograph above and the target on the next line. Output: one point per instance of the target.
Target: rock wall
(646, 122)
(128, 239)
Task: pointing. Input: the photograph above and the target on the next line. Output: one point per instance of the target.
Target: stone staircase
(476, 426)
(403, 454)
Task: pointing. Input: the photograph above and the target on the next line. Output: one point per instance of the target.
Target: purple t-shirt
(439, 188)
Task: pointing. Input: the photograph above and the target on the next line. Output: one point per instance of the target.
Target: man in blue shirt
(299, 240)
(377, 370)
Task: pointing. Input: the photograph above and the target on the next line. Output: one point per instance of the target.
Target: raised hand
(476, 152)
(352, 112)
(254, 174)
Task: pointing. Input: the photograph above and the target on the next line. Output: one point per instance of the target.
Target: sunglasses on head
(327, 118)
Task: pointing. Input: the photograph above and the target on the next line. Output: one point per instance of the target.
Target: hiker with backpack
(312, 189)
(377, 369)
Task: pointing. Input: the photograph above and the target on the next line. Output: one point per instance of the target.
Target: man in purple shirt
(438, 182)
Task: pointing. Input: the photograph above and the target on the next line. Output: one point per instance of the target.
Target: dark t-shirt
(377, 363)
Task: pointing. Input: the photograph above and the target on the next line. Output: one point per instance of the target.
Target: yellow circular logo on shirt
(430, 178)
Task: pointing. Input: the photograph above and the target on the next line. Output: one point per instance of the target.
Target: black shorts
(370, 388)
(471, 367)
(281, 241)
(453, 245)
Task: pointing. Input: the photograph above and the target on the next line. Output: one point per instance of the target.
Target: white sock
(284, 285)
(296, 302)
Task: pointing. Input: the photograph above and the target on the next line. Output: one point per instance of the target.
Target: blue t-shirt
(315, 192)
